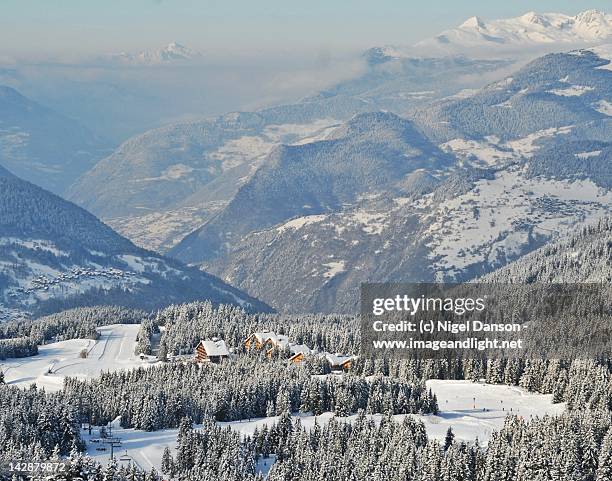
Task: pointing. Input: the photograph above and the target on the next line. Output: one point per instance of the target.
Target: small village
(76, 274)
(216, 350)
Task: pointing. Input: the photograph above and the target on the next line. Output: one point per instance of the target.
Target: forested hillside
(55, 255)
(585, 256)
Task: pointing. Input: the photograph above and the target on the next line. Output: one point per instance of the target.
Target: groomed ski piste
(472, 410)
(469, 420)
(114, 350)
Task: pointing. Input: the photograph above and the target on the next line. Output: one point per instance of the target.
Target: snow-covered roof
(264, 336)
(215, 348)
(279, 340)
(337, 359)
(299, 349)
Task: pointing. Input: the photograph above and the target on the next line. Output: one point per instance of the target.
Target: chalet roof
(279, 340)
(299, 349)
(215, 348)
(337, 359)
(264, 336)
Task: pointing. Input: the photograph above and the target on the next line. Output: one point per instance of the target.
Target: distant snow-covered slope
(173, 52)
(551, 92)
(160, 185)
(162, 168)
(55, 255)
(585, 256)
(369, 152)
(532, 163)
(517, 36)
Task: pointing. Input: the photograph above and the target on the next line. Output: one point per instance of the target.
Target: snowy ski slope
(114, 350)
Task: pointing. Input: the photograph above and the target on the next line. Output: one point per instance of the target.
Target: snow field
(114, 350)
(469, 420)
(472, 410)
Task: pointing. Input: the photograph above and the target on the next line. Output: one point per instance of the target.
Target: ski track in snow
(114, 350)
(468, 419)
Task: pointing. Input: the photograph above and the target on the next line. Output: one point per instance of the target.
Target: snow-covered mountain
(43, 146)
(532, 162)
(372, 151)
(514, 36)
(551, 92)
(173, 52)
(159, 186)
(54, 255)
(469, 182)
(585, 256)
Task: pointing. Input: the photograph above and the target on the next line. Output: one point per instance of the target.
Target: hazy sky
(97, 26)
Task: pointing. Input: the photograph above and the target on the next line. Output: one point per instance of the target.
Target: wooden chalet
(270, 341)
(298, 352)
(257, 340)
(267, 339)
(214, 351)
(339, 362)
(278, 342)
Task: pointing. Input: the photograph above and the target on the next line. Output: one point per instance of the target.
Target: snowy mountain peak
(529, 32)
(473, 22)
(175, 46)
(534, 18)
(173, 52)
(594, 24)
(176, 51)
(591, 17)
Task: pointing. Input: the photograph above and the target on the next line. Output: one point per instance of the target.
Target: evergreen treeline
(78, 323)
(37, 423)
(148, 328)
(187, 324)
(585, 256)
(583, 384)
(18, 347)
(571, 447)
(578, 382)
(248, 387)
(252, 385)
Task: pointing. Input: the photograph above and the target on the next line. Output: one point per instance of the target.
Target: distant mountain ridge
(512, 186)
(531, 32)
(54, 255)
(551, 92)
(369, 152)
(173, 52)
(189, 170)
(304, 202)
(207, 159)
